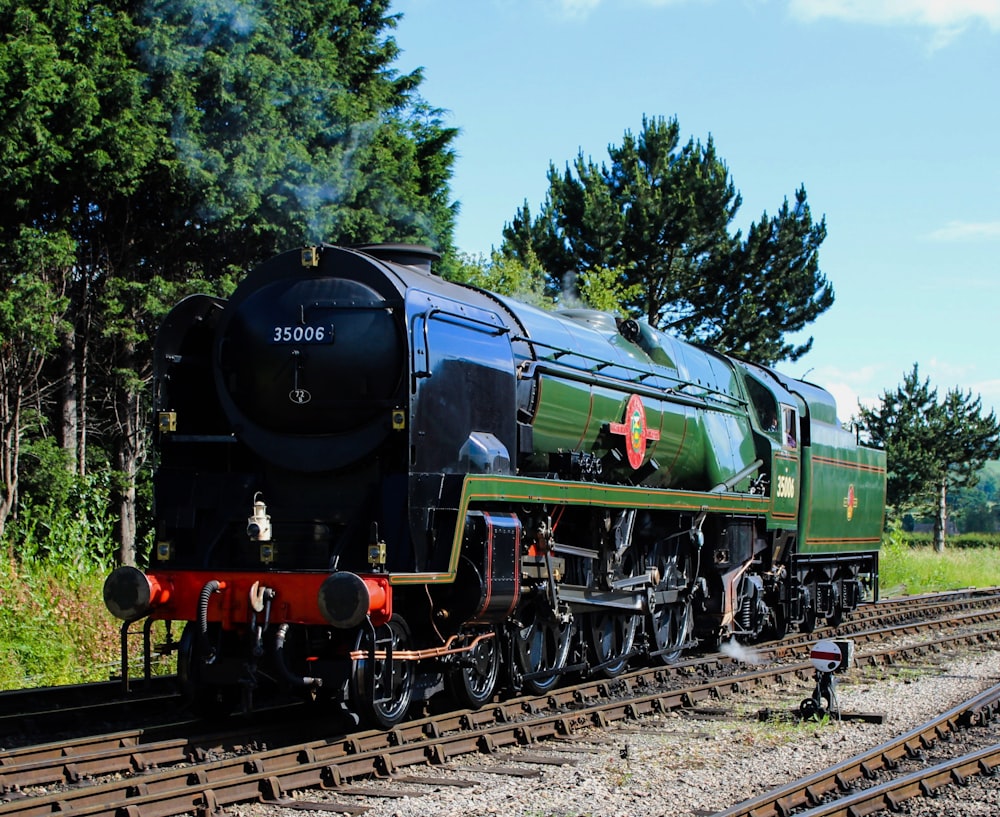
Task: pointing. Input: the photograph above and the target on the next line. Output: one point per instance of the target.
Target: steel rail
(130, 751)
(923, 783)
(136, 741)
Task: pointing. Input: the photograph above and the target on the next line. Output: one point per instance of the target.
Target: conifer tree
(932, 446)
(660, 213)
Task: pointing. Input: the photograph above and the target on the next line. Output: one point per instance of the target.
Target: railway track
(29, 713)
(26, 714)
(160, 772)
(881, 778)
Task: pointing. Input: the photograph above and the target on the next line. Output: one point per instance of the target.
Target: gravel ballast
(690, 764)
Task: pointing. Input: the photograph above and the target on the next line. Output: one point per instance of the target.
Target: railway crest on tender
(635, 431)
(850, 502)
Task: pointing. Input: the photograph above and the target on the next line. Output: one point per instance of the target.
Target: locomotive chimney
(415, 256)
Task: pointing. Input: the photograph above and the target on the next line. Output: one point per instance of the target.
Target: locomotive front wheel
(541, 646)
(777, 623)
(808, 623)
(612, 637)
(381, 688)
(836, 618)
(474, 681)
(673, 625)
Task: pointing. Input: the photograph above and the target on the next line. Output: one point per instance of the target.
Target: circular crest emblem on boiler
(635, 431)
(300, 396)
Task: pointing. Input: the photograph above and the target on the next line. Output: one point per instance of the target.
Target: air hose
(279, 658)
(207, 650)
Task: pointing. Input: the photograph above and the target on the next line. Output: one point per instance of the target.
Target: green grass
(906, 570)
(54, 628)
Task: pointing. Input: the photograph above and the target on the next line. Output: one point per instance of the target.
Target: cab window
(790, 426)
(764, 406)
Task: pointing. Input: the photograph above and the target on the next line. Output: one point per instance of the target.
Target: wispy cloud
(577, 8)
(866, 385)
(946, 374)
(849, 387)
(581, 9)
(943, 370)
(967, 231)
(945, 16)
(989, 392)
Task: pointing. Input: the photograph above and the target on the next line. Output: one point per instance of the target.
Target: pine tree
(932, 446)
(76, 137)
(660, 213)
(291, 127)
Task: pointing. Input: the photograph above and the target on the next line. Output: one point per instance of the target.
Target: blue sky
(888, 111)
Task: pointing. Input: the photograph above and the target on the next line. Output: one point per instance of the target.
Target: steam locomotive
(374, 484)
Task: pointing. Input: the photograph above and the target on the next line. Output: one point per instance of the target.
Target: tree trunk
(129, 447)
(9, 487)
(69, 407)
(941, 518)
(10, 444)
(126, 549)
(82, 362)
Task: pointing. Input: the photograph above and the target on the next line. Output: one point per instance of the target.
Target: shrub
(59, 548)
(962, 540)
(73, 533)
(56, 630)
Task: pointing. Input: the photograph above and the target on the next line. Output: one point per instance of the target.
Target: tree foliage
(932, 446)
(975, 508)
(505, 276)
(31, 313)
(150, 150)
(291, 126)
(659, 215)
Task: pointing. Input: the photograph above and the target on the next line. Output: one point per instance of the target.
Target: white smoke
(740, 652)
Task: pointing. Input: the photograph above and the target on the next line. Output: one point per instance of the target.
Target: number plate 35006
(302, 334)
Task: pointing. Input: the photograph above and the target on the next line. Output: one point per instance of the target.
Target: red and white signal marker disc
(826, 656)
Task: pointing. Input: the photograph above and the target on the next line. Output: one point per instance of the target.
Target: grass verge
(55, 628)
(906, 571)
